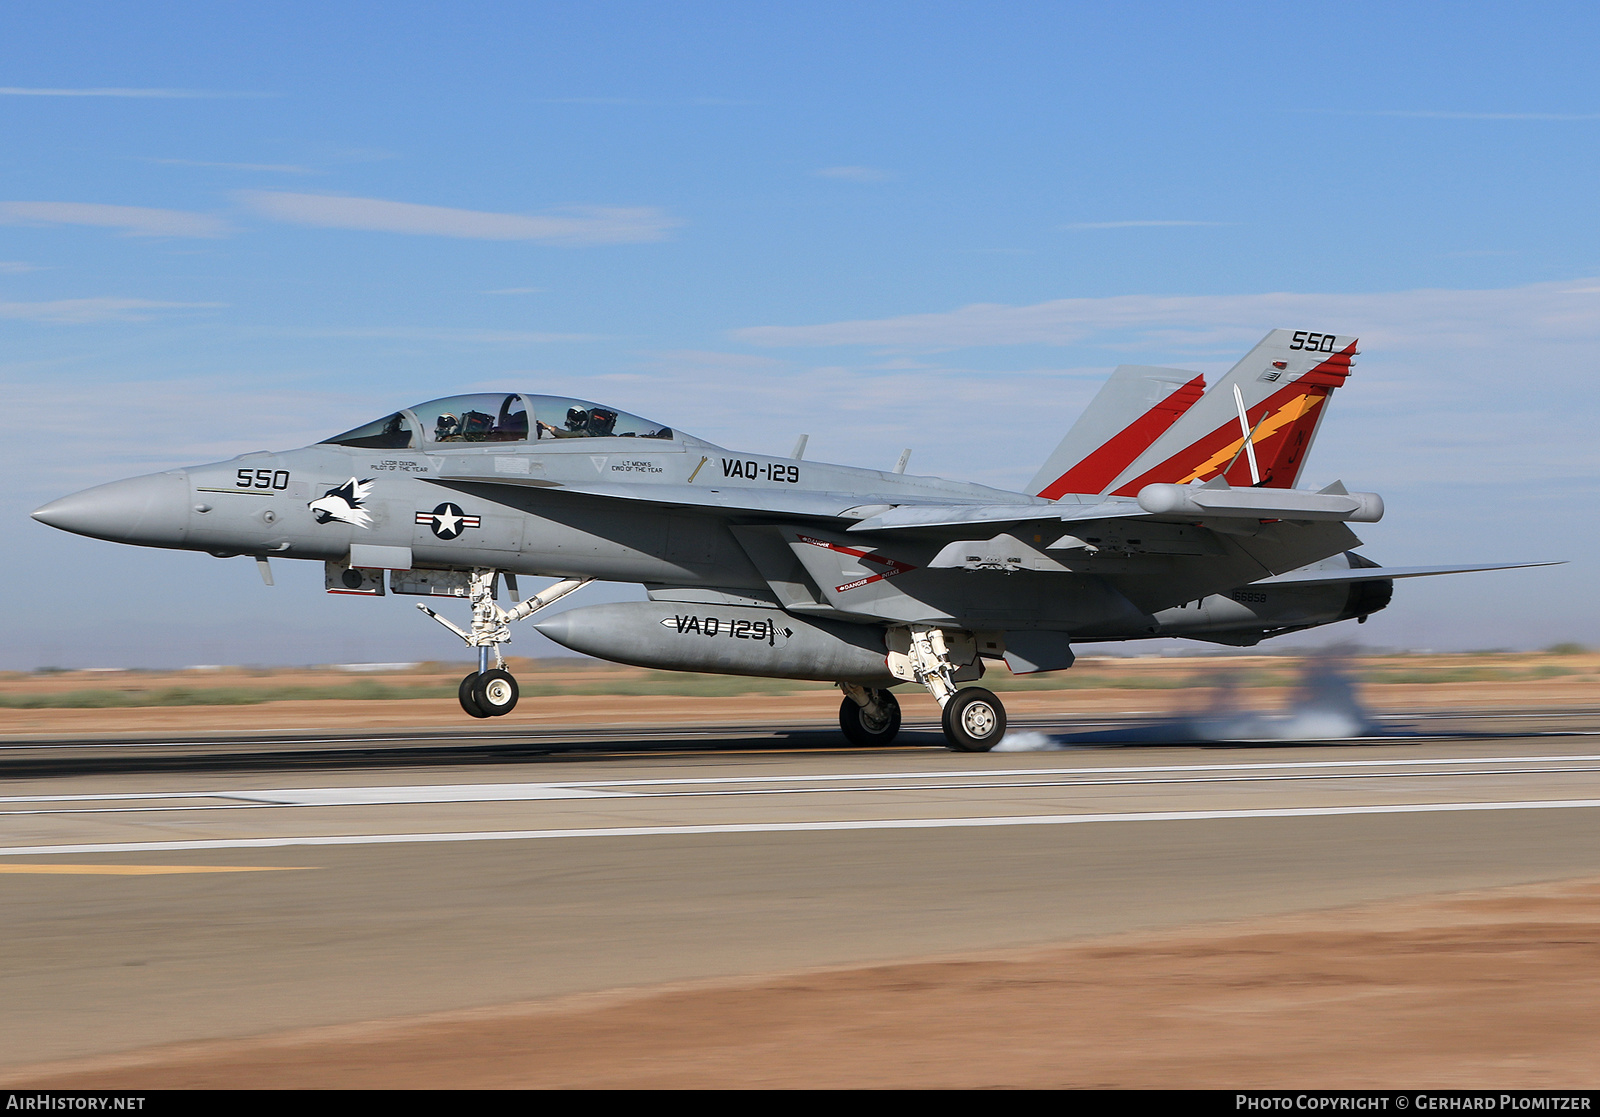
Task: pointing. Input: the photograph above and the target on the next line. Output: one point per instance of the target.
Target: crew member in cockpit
(592, 422)
(577, 420)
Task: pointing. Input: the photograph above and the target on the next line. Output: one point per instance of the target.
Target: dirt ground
(1491, 989)
(1161, 686)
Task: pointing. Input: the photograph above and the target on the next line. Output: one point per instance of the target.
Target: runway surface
(163, 891)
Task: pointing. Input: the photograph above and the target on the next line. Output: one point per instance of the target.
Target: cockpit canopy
(496, 417)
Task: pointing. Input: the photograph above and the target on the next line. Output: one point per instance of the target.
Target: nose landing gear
(488, 693)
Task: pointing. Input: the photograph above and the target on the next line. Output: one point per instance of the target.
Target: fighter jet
(1168, 510)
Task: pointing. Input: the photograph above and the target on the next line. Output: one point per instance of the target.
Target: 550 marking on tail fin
(1317, 343)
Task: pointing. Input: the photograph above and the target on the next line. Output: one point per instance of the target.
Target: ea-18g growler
(1167, 510)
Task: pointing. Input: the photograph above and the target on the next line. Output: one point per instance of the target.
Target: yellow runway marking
(147, 870)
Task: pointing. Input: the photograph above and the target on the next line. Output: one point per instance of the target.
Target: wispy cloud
(1552, 311)
(1137, 224)
(579, 225)
(447, 334)
(158, 94)
(681, 361)
(854, 174)
(274, 168)
(78, 312)
(16, 267)
(116, 418)
(134, 221)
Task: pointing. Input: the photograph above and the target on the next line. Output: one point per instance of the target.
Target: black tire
(974, 720)
(495, 693)
(866, 731)
(464, 692)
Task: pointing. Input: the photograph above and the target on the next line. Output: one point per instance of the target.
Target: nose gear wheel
(464, 694)
(495, 692)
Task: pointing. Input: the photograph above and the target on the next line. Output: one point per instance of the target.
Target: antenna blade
(1249, 444)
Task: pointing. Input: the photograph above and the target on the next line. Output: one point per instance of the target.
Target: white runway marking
(790, 827)
(493, 793)
(430, 793)
(447, 793)
(963, 779)
(346, 796)
(1009, 773)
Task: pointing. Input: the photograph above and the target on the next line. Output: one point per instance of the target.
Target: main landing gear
(869, 717)
(973, 718)
(490, 692)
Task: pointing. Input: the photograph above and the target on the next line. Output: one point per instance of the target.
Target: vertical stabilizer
(1279, 392)
(1134, 408)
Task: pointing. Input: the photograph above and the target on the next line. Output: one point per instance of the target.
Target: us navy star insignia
(448, 520)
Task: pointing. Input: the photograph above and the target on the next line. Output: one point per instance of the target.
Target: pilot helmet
(576, 418)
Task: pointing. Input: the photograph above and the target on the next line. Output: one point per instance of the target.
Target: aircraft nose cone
(152, 510)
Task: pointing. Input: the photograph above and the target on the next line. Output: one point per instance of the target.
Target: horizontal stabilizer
(1383, 573)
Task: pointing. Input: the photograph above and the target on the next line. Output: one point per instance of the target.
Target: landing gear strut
(489, 693)
(973, 718)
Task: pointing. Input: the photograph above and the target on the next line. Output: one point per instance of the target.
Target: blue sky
(929, 225)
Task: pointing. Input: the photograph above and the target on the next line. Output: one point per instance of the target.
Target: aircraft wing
(1383, 573)
(893, 511)
(829, 505)
(956, 515)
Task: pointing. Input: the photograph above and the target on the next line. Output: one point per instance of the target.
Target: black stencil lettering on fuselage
(277, 479)
(733, 629)
(761, 471)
